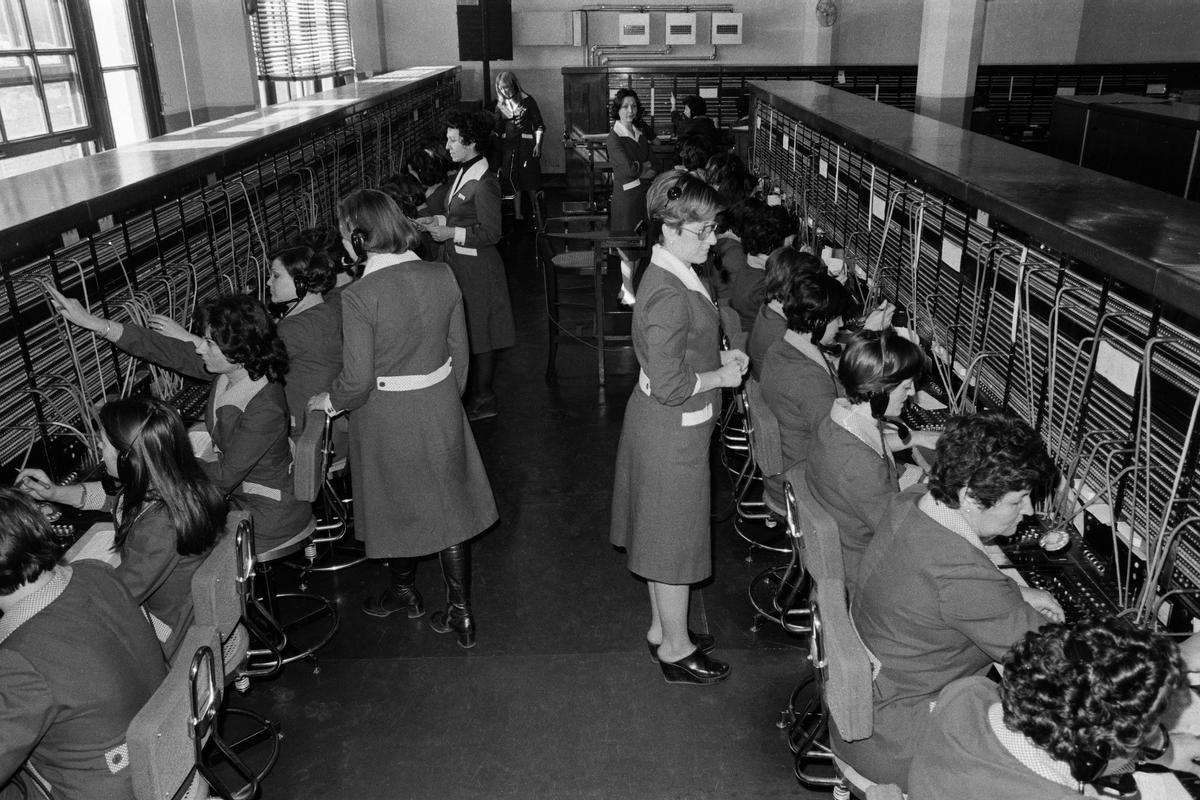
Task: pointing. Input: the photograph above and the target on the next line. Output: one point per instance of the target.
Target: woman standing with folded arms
(419, 483)
(660, 507)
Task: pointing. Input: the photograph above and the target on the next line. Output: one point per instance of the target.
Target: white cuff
(93, 497)
(460, 236)
(696, 388)
(439, 219)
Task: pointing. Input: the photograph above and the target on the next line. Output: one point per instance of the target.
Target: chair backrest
(763, 425)
(162, 753)
(217, 590)
(309, 461)
(835, 648)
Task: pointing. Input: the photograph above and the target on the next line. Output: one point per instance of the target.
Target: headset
(358, 240)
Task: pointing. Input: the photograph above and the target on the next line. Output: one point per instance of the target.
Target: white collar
(950, 519)
(857, 420)
(803, 343)
(680, 269)
(620, 129)
(756, 261)
(777, 307)
(471, 173)
(1022, 748)
(385, 260)
(304, 304)
(729, 234)
(28, 607)
(239, 394)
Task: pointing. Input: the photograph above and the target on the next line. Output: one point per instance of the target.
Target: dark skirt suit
(519, 167)
(474, 206)
(249, 429)
(628, 158)
(419, 483)
(435, 203)
(314, 343)
(660, 506)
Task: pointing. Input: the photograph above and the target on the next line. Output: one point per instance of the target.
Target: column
(951, 46)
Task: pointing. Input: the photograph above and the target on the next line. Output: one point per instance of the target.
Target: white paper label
(708, 92)
(951, 255)
(982, 218)
(878, 206)
(823, 168)
(787, 143)
(1119, 369)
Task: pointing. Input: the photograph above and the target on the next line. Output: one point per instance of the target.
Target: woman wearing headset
(168, 514)
(419, 484)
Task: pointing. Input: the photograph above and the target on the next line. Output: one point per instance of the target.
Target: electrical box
(635, 28)
(681, 28)
(726, 28)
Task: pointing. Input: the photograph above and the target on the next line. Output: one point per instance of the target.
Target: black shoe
(393, 602)
(455, 619)
(704, 643)
(696, 668)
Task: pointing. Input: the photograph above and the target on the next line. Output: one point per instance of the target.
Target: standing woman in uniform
(419, 483)
(519, 123)
(468, 233)
(629, 154)
(660, 507)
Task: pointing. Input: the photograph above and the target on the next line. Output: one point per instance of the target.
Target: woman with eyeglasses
(660, 507)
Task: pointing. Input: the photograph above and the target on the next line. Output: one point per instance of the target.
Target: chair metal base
(779, 594)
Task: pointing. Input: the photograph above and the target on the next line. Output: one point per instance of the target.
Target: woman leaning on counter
(660, 507)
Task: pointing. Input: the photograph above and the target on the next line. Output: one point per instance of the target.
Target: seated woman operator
(785, 268)
(250, 458)
(764, 229)
(78, 660)
(168, 514)
(1075, 704)
(851, 470)
(930, 605)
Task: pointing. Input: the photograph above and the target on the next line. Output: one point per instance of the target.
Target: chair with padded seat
(839, 685)
(173, 741)
(753, 521)
(318, 471)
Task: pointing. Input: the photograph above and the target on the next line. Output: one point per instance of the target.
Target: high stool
(317, 482)
(788, 587)
(838, 686)
(753, 521)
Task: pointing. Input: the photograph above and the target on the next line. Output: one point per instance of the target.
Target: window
(301, 46)
(71, 80)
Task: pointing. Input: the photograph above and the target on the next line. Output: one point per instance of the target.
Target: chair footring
(321, 608)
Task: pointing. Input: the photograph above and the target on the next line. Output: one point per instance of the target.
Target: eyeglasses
(704, 232)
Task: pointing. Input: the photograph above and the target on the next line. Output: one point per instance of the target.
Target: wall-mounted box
(634, 28)
(681, 28)
(726, 28)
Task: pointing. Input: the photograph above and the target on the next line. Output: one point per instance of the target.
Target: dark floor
(559, 698)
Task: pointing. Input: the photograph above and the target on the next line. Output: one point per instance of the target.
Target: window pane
(63, 93)
(43, 158)
(48, 19)
(20, 106)
(113, 38)
(125, 106)
(12, 27)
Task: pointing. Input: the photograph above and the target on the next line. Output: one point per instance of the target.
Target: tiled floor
(559, 699)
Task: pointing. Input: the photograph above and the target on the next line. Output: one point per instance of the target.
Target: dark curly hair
(767, 229)
(727, 173)
(1098, 687)
(614, 108)
(241, 327)
(27, 548)
(406, 190)
(990, 454)
(694, 151)
(815, 300)
(311, 269)
(784, 266)
(474, 127)
(696, 105)
(876, 362)
(429, 168)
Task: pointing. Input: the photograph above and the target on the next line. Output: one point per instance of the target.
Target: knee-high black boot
(456, 571)
(482, 402)
(402, 595)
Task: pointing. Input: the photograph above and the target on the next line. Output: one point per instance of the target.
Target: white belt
(262, 491)
(526, 135)
(688, 419)
(409, 383)
(465, 251)
(631, 185)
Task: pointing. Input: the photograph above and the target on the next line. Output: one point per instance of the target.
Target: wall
(390, 34)
(216, 57)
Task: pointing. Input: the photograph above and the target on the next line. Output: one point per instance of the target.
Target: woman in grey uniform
(660, 508)
(419, 483)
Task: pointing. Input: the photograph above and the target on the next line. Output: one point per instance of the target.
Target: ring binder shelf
(157, 227)
(1065, 297)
